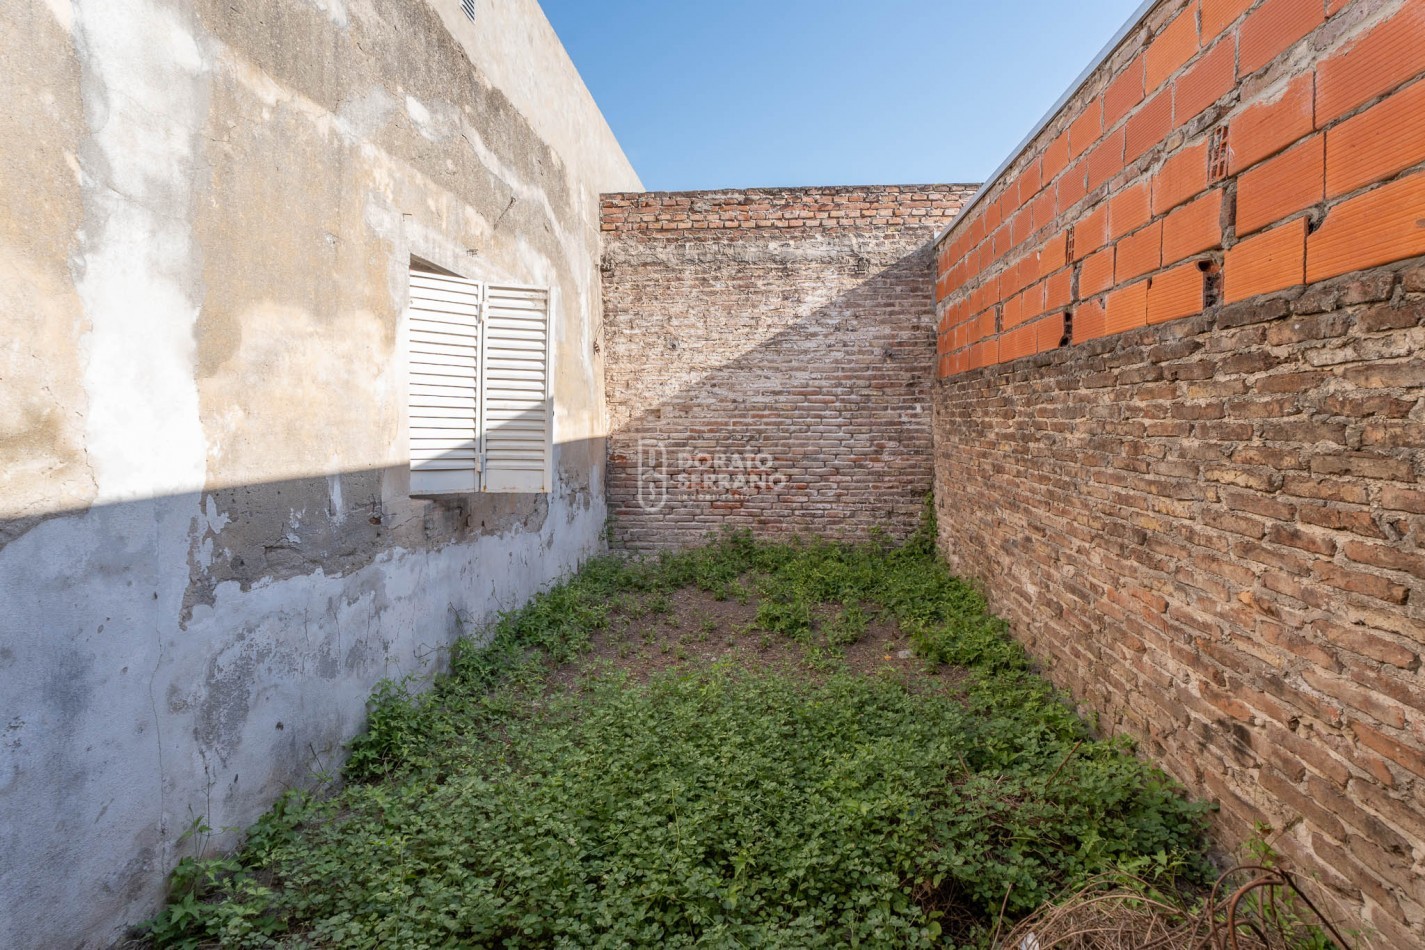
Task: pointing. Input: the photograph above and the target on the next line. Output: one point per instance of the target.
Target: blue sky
(739, 93)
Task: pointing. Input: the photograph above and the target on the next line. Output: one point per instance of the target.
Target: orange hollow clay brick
(1071, 186)
(1032, 300)
(963, 244)
(1029, 179)
(1058, 289)
(979, 298)
(948, 250)
(1001, 242)
(1181, 177)
(1106, 159)
(984, 325)
(1036, 337)
(1177, 292)
(1008, 281)
(1206, 81)
(967, 313)
(1149, 125)
(1025, 305)
(1281, 186)
(1268, 126)
(1172, 47)
(984, 353)
(1019, 226)
(1044, 207)
(1056, 157)
(993, 215)
(1129, 209)
(1049, 332)
(972, 329)
(1139, 253)
(1009, 197)
(1378, 227)
(1085, 129)
(1089, 321)
(993, 290)
(1126, 308)
(1124, 92)
(1386, 138)
(1011, 312)
(1054, 254)
(1392, 53)
(1029, 270)
(1018, 275)
(964, 273)
(1091, 231)
(1096, 273)
(1217, 15)
(1025, 224)
(1193, 228)
(977, 230)
(975, 260)
(1016, 343)
(1272, 260)
(1274, 26)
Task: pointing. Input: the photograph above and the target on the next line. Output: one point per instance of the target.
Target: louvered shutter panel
(444, 395)
(517, 413)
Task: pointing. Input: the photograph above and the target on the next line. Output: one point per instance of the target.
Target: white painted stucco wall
(208, 556)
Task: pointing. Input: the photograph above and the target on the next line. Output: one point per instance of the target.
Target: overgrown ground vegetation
(786, 793)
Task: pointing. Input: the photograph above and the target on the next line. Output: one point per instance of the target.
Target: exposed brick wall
(1227, 148)
(878, 209)
(777, 346)
(1213, 532)
(1180, 429)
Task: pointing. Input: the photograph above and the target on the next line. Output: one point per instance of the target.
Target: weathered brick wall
(1213, 533)
(1180, 425)
(772, 350)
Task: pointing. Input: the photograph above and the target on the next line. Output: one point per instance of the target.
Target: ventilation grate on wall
(1217, 155)
(469, 7)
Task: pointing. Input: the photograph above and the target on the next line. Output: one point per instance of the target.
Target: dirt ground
(691, 629)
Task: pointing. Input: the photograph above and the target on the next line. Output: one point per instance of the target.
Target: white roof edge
(1128, 27)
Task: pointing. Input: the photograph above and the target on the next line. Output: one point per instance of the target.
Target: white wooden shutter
(517, 418)
(444, 395)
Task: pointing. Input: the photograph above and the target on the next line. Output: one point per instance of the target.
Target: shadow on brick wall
(739, 399)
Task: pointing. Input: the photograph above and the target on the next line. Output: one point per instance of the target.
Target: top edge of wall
(1102, 56)
(781, 190)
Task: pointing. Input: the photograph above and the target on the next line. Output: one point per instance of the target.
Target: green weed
(714, 808)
